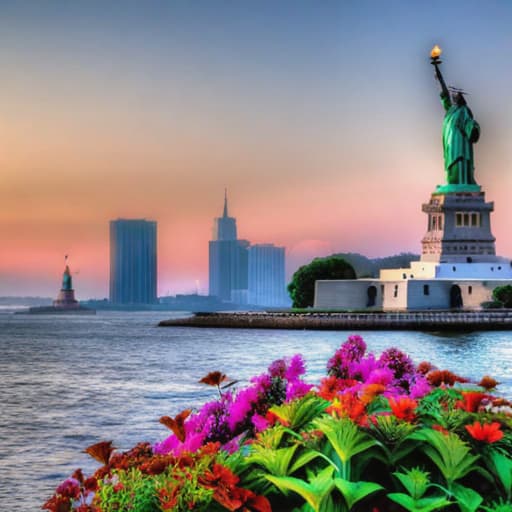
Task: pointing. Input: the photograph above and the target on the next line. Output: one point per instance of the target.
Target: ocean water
(69, 381)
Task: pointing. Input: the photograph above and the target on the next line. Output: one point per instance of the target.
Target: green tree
(302, 287)
(503, 294)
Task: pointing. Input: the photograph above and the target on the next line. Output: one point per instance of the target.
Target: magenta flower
(296, 368)
(297, 389)
(70, 488)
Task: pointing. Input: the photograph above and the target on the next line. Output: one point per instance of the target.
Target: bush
(503, 295)
(302, 286)
(375, 432)
(491, 304)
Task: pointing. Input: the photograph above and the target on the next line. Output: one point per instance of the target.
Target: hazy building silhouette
(228, 260)
(133, 261)
(266, 276)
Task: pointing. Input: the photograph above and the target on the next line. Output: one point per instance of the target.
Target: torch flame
(436, 52)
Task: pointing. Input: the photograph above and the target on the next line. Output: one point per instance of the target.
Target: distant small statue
(460, 131)
(67, 283)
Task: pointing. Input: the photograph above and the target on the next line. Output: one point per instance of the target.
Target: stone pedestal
(458, 228)
(66, 300)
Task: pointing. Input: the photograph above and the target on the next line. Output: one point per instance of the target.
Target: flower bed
(376, 434)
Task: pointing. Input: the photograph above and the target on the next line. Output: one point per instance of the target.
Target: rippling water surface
(69, 381)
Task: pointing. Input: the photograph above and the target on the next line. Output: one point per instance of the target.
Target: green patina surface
(460, 132)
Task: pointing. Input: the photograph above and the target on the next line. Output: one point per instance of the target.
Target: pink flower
(296, 368)
(70, 488)
(297, 389)
(260, 423)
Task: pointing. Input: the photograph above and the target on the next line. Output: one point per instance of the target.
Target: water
(69, 381)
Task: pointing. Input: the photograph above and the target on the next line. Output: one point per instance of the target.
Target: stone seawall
(422, 321)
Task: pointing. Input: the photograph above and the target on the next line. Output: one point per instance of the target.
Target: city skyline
(317, 118)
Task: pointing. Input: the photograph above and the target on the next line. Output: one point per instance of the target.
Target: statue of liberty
(460, 131)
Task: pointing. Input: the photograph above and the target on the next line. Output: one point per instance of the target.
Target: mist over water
(69, 381)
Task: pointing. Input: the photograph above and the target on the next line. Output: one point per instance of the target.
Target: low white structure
(458, 267)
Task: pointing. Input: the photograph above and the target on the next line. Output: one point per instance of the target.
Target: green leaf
(355, 491)
(301, 411)
(313, 492)
(448, 452)
(346, 439)
(468, 499)
(422, 505)
(415, 481)
(276, 462)
(502, 468)
(308, 456)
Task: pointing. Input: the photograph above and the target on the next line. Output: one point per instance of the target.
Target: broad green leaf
(422, 505)
(308, 456)
(313, 492)
(276, 462)
(468, 499)
(448, 452)
(502, 467)
(415, 481)
(346, 439)
(301, 411)
(355, 491)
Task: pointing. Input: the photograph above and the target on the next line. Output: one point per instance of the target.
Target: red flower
(57, 504)
(91, 484)
(441, 429)
(348, 405)
(403, 408)
(471, 400)
(331, 386)
(485, 432)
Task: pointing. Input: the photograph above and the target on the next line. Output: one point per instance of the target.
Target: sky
(322, 119)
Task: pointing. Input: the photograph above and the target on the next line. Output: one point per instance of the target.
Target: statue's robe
(460, 131)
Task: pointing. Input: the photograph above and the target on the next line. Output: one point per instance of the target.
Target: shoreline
(416, 320)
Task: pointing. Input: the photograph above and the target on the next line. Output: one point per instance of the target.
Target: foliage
(377, 433)
(302, 286)
(503, 295)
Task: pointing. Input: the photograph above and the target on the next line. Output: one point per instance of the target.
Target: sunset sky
(322, 118)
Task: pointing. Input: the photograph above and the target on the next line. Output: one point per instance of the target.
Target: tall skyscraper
(133, 261)
(266, 276)
(228, 260)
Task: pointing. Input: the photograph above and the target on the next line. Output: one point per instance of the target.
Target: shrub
(302, 286)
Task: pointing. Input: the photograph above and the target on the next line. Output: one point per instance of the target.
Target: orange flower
(331, 386)
(485, 432)
(370, 391)
(349, 406)
(488, 382)
(471, 400)
(438, 377)
(403, 408)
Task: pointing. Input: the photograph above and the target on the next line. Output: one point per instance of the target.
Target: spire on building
(225, 213)
(224, 228)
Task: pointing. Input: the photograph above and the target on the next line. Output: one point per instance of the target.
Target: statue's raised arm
(460, 131)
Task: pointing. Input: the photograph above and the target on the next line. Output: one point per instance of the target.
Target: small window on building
(454, 268)
(466, 219)
(404, 276)
(469, 259)
(458, 219)
(475, 220)
(434, 223)
(440, 222)
(499, 268)
(470, 290)
(382, 289)
(426, 289)
(395, 292)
